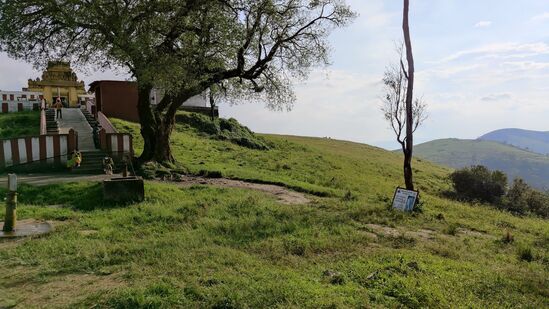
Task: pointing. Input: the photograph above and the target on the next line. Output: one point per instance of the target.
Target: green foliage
(478, 183)
(523, 199)
(525, 253)
(222, 129)
(20, 124)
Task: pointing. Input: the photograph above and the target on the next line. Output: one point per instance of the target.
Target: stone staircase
(94, 124)
(52, 126)
(91, 120)
(92, 163)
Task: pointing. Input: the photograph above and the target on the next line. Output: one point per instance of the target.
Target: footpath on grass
(282, 194)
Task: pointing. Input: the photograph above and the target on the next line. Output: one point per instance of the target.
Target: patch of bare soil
(423, 234)
(61, 291)
(387, 231)
(283, 195)
(472, 233)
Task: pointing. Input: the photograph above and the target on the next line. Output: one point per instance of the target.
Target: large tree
(254, 48)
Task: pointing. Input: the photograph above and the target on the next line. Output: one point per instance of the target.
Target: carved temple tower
(58, 81)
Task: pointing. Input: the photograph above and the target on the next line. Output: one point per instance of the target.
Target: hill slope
(515, 162)
(204, 247)
(534, 141)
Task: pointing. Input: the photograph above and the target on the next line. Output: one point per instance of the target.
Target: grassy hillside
(515, 162)
(205, 247)
(19, 124)
(534, 141)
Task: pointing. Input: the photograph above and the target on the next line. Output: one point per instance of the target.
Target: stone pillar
(103, 139)
(72, 141)
(48, 95)
(11, 205)
(72, 97)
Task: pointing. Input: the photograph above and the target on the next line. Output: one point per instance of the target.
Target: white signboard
(405, 200)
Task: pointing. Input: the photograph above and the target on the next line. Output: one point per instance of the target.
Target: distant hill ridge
(515, 162)
(534, 141)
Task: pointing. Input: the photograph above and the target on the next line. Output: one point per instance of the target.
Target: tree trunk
(408, 173)
(212, 106)
(163, 150)
(147, 121)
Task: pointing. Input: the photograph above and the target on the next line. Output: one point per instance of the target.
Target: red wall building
(116, 99)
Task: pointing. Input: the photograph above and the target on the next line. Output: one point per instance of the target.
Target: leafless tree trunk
(401, 110)
(408, 151)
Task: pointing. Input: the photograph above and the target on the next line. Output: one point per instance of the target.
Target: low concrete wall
(19, 106)
(44, 148)
(116, 144)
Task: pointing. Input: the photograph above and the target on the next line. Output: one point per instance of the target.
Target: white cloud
(502, 50)
(483, 24)
(541, 17)
(496, 97)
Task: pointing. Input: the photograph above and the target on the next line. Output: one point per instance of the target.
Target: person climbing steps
(58, 109)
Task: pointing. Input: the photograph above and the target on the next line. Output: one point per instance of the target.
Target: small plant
(349, 196)
(333, 277)
(508, 238)
(452, 229)
(525, 253)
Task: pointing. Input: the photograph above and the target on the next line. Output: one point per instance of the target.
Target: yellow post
(11, 204)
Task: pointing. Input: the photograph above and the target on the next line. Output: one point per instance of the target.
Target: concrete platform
(27, 228)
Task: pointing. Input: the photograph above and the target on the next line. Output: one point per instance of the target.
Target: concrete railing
(116, 144)
(52, 148)
(105, 123)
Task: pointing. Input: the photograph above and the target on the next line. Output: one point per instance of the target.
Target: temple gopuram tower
(58, 81)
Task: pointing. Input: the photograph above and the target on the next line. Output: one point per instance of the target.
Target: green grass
(204, 247)
(19, 124)
(515, 162)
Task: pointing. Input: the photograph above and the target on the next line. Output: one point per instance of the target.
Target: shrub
(525, 253)
(522, 199)
(479, 183)
(517, 200)
(223, 129)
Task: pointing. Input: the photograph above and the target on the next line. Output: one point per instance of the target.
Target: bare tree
(404, 118)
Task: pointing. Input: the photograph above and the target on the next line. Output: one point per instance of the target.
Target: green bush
(223, 129)
(522, 199)
(478, 183)
(525, 253)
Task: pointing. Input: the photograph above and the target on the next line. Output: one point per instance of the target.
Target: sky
(481, 65)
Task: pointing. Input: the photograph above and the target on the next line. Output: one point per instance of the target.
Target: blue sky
(481, 65)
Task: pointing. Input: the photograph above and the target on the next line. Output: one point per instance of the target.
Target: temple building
(59, 80)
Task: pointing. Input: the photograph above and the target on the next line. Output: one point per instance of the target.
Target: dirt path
(283, 195)
(48, 179)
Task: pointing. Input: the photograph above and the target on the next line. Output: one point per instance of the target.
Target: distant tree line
(478, 183)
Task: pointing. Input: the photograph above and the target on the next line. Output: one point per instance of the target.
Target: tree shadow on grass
(79, 196)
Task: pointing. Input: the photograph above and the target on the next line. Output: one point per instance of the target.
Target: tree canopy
(251, 48)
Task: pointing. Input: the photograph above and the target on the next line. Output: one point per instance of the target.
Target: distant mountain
(534, 141)
(515, 162)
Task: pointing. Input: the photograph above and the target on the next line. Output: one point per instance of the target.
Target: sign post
(11, 204)
(405, 200)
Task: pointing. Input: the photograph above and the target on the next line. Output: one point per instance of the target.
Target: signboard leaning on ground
(405, 200)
